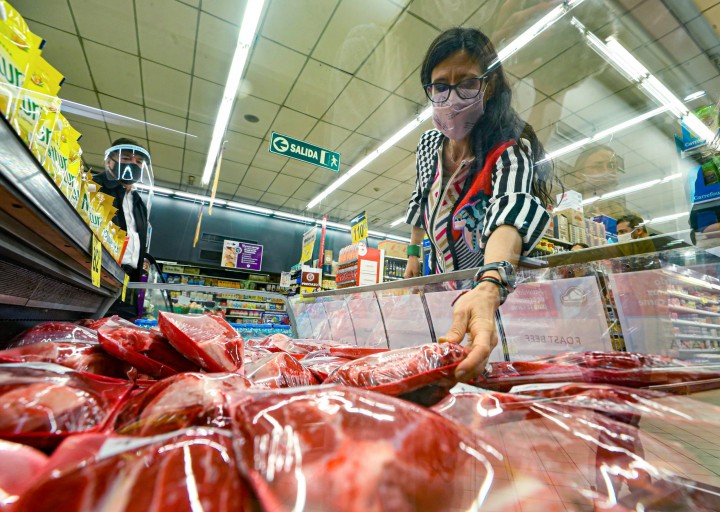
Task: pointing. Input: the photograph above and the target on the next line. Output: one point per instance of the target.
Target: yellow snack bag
(100, 210)
(16, 28)
(38, 93)
(62, 144)
(113, 238)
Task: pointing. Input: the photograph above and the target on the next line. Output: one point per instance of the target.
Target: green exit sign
(303, 151)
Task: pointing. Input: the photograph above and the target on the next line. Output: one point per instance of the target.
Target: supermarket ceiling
(344, 75)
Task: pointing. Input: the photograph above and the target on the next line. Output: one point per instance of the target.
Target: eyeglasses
(439, 92)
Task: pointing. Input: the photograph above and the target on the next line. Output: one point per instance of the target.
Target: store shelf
(390, 278)
(681, 309)
(557, 241)
(692, 297)
(696, 324)
(45, 245)
(395, 258)
(347, 263)
(702, 337)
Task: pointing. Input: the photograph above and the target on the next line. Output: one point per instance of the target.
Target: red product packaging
(331, 448)
(182, 401)
(53, 331)
(401, 371)
(149, 352)
(208, 340)
(20, 466)
(41, 403)
(279, 371)
(301, 347)
(322, 364)
(88, 357)
(183, 471)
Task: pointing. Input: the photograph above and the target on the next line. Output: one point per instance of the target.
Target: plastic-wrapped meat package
(300, 347)
(322, 364)
(401, 371)
(82, 356)
(251, 354)
(587, 460)
(279, 370)
(149, 352)
(188, 470)
(20, 465)
(331, 448)
(619, 368)
(42, 403)
(53, 331)
(208, 340)
(182, 401)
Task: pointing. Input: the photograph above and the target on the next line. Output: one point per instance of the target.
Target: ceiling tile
(266, 160)
(555, 75)
(322, 175)
(158, 95)
(354, 31)
(230, 10)
(355, 147)
(226, 189)
(244, 194)
(114, 135)
(379, 187)
(204, 100)
(307, 191)
(64, 52)
(412, 90)
(232, 171)
(410, 141)
(387, 160)
(358, 182)
(171, 42)
(240, 148)
(94, 139)
(335, 199)
(316, 88)
(93, 160)
(292, 123)
(273, 199)
(355, 203)
(79, 95)
(285, 185)
(272, 70)
(399, 194)
(327, 136)
(655, 19)
(355, 104)
(166, 156)
(293, 204)
(112, 23)
(216, 44)
(392, 115)
(201, 141)
(297, 168)
(115, 73)
(131, 122)
(679, 44)
(399, 53)
(49, 12)
(193, 165)
(167, 176)
(165, 120)
(378, 207)
(403, 170)
(297, 24)
(265, 111)
(259, 179)
(441, 15)
(96, 121)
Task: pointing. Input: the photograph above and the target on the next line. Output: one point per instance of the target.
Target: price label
(125, 282)
(359, 228)
(96, 261)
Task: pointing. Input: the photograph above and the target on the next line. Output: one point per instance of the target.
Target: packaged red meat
(591, 461)
(41, 403)
(251, 354)
(20, 465)
(149, 352)
(334, 449)
(279, 370)
(619, 368)
(183, 471)
(322, 364)
(300, 347)
(82, 356)
(207, 340)
(53, 331)
(400, 371)
(185, 400)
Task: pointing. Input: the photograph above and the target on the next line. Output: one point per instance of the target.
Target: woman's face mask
(456, 117)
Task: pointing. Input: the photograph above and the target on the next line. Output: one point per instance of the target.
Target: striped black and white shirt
(460, 216)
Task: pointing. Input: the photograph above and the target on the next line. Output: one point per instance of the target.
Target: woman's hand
(474, 313)
(412, 269)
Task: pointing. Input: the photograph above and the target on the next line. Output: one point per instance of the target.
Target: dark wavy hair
(500, 122)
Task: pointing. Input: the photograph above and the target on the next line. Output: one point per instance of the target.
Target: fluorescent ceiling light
(336, 225)
(397, 221)
(694, 96)
(292, 216)
(249, 207)
(156, 190)
(518, 43)
(251, 18)
(188, 195)
(398, 238)
(630, 190)
(666, 218)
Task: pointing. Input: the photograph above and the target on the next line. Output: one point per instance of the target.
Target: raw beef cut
(400, 371)
(300, 347)
(251, 354)
(588, 458)
(185, 400)
(20, 465)
(335, 449)
(279, 370)
(208, 340)
(53, 331)
(184, 471)
(82, 356)
(149, 352)
(40, 403)
(619, 368)
(322, 364)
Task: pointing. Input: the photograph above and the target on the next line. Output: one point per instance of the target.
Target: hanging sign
(242, 255)
(285, 280)
(308, 244)
(359, 228)
(303, 151)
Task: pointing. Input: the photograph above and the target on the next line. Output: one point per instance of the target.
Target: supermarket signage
(308, 244)
(304, 151)
(285, 280)
(359, 228)
(311, 278)
(242, 255)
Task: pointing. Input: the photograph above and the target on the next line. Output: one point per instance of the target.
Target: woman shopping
(481, 187)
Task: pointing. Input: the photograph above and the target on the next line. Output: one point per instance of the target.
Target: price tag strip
(96, 267)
